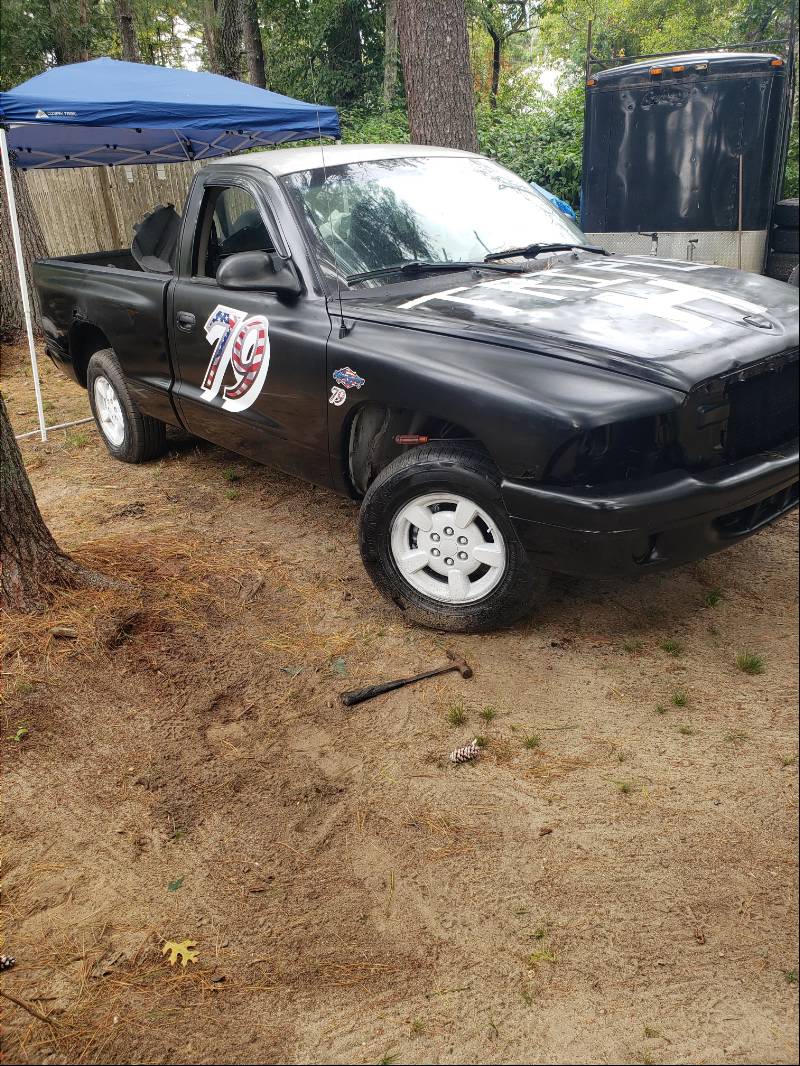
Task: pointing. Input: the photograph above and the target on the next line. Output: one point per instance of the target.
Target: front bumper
(662, 521)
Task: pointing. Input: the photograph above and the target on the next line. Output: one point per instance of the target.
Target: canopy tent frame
(11, 205)
(197, 116)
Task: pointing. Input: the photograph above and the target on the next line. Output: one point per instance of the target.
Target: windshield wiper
(532, 250)
(418, 266)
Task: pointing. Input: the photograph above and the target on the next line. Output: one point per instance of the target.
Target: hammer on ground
(359, 695)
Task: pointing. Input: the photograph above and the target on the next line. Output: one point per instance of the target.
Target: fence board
(92, 209)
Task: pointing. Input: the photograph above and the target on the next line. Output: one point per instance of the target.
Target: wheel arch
(85, 339)
(368, 439)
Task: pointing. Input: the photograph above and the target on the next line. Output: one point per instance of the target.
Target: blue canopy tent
(109, 113)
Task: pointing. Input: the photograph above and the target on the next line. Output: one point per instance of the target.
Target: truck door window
(230, 222)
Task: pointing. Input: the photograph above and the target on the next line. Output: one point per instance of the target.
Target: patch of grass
(714, 631)
(788, 760)
(686, 730)
(456, 714)
(713, 597)
(660, 708)
(791, 977)
(78, 439)
(625, 787)
(231, 474)
(388, 1058)
(680, 699)
(417, 1027)
(650, 1033)
(488, 714)
(232, 494)
(19, 734)
(736, 737)
(542, 955)
(532, 741)
(750, 663)
(538, 934)
(24, 687)
(632, 645)
(672, 647)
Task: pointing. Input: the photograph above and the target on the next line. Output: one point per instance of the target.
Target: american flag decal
(241, 346)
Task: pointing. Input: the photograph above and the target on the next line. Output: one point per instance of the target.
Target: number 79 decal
(241, 344)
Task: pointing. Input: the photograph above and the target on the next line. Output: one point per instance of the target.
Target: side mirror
(260, 272)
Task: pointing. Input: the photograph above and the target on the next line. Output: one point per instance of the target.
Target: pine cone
(466, 754)
(6, 962)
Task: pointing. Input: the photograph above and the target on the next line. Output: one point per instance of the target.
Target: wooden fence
(93, 209)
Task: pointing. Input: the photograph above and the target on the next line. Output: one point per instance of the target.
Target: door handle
(185, 320)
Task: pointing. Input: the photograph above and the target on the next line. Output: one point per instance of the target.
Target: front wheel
(436, 540)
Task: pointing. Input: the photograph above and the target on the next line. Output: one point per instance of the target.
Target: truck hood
(666, 321)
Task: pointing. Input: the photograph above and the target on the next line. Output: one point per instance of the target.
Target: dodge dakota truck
(417, 328)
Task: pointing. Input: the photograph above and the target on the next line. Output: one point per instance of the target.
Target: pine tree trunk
(31, 563)
(253, 47)
(12, 321)
(391, 56)
(497, 45)
(223, 37)
(126, 23)
(434, 48)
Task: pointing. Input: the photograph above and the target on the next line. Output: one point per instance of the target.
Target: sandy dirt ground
(613, 881)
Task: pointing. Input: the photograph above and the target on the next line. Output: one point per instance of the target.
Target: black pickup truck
(418, 328)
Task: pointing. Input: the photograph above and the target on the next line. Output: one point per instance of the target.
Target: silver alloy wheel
(109, 411)
(448, 548)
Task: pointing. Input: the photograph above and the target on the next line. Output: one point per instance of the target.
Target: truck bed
(120, 259)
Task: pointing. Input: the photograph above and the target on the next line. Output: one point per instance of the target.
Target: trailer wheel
(128, 434)
(785, 240)
(786, 213)
(436, 539)
(780, 265)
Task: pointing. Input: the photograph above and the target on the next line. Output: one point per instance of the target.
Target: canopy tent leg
(23, 282)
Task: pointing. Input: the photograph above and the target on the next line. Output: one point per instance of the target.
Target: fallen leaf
(180, 949)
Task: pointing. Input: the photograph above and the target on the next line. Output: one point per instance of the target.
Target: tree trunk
(12, 321)
(66, 46)
(84, 13)
(253, 47)
(391, 56)
(343, 43)
(31, 563)
(223, 37)
(435, 51)
(497, 45)
(126, 23)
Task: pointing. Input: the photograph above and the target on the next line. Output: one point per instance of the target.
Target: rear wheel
(436, 540)
(787, 213)
(785, 240)
(128, 434)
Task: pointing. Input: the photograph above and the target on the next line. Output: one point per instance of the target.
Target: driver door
(249, 366)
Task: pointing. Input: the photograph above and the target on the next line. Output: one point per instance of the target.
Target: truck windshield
(366, 217)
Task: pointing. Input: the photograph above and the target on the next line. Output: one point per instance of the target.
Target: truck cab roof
(281, 161)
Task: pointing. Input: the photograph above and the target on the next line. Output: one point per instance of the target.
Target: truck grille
(763, 411)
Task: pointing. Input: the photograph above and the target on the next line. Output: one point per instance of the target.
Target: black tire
(780, 265)
(785, 240)
(787, 213)
(143, 437)
(461, 469)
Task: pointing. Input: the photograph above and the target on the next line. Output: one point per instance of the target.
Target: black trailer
(684, 155)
